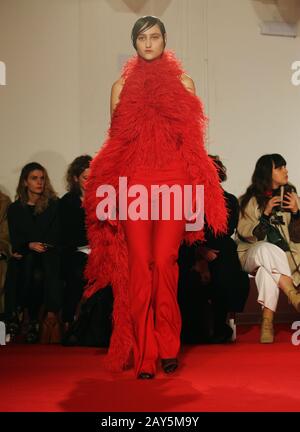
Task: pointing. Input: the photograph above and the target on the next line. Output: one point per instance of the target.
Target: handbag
(275, 237)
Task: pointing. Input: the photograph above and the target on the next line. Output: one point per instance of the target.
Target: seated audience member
(32, 278)
(4, 243)
(228, 283)
(269, 237)
(220, 276)
(93, 325)
(73, 236)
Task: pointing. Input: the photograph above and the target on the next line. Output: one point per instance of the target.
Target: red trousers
(153, 277)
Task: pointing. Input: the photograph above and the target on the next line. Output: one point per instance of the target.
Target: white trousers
(269, 262)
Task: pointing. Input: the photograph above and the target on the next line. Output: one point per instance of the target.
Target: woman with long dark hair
(75, 247)
(33, 275)
(269, 237)
(156, 138)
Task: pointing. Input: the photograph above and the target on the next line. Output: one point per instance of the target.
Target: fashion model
(156, 139)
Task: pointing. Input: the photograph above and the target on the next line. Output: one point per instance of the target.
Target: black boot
(146, 375)
(169, 365)
(222, 332)
(222, 335)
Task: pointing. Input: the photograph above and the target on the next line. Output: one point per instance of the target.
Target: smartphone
(48, 246)
(288, 188)
(281, 195)
(282, 191)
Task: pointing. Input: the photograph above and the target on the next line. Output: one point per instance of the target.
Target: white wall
(253, 106)
(39, 106)
(63, 55)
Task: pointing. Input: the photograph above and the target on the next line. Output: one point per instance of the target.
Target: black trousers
(73, 273)
(229, 283)
(205, 306)
(33, 281)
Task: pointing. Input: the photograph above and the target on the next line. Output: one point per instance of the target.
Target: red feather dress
(156, 120)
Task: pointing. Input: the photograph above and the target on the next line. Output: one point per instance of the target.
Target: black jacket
(72, 219)
(24, 227)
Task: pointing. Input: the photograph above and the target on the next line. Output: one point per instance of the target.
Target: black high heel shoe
(222, 336)
(146, 375)
(169, 365)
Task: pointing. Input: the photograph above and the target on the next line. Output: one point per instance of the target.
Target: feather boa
(155, 118)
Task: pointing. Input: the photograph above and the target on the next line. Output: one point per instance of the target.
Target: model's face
(279, 176)
(35, 182)
(82, 179)
(150, 43)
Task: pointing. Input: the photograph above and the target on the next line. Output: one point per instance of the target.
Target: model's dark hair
(75, 169)
(143, 24)
(262, 180)
(47, 194)
(221, 168)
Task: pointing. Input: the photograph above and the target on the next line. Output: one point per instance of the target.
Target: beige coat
(245, 238)
(4, 241)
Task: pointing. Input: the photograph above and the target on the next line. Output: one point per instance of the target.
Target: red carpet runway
(242, 376)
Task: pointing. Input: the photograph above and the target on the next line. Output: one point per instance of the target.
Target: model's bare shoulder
(118, 84)
(115, 93)
(188, 83)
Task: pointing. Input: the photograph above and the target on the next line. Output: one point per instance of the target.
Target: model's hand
(290, 202)
(201, 267)
(211, 254)
(17, 255)
(37, 247)
(207, 253)
(273, 202)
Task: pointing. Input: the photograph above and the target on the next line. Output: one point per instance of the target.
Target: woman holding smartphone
(270, 201)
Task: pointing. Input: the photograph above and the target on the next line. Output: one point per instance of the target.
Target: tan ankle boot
(266, 331)
(294, 298)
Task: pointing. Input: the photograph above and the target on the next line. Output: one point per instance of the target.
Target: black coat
(24, 227)
(72, 219)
